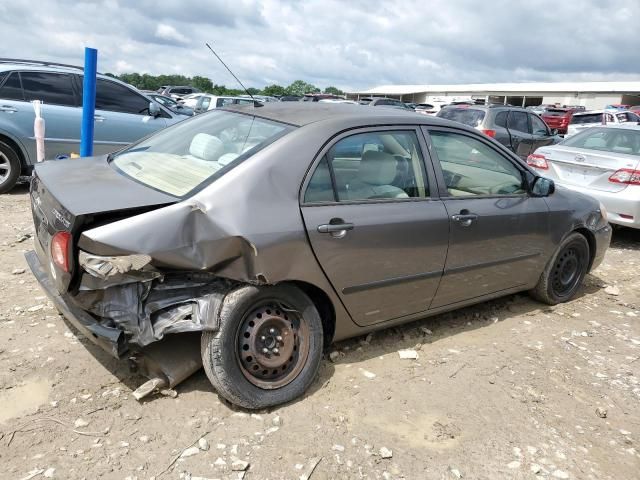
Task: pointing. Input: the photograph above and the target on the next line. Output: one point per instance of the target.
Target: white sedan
(603, 162)
(583, 120)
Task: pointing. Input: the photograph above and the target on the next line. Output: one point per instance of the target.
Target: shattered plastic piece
(148, 387)
(190, 452)
(105, 267)
(408, 354)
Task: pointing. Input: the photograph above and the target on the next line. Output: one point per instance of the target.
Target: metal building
(591, 95)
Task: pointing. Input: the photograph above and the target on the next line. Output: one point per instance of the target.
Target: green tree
(253, 91)
(202, 83)
(333, 91)
(274, 90)
(300, 87)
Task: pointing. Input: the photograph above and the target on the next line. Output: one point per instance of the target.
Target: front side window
(372, 166)
(470, 167)
(113, 97)
(12, 89)
(183, 158)
(518, 122)
(538, 127)
(51, 88)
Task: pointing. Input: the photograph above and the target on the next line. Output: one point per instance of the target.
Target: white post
(38, 130)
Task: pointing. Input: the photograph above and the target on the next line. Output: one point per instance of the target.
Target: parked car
(123, 115)
(635, 109)
(602, 162)
(338, 100)
(179, 91)
(190, 101)
(261, 98)
(558, 118)
(171, 104)
(290, 98)
(316, 97)
(255, 227)
(209, 102)
(582, 120)
(429, 108)
(516, 128)
(387, 102)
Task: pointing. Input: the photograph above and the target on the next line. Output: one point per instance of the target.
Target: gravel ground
(506, 389)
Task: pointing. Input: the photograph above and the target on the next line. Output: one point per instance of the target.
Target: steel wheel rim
(272, 345)
(5, 167)
(567, 270)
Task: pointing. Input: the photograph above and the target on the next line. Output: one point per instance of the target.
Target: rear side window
(468, 116)
(501, 119)
(206, 101)
(518, 122)
(586, 118)
(12, 90)
(114, 97)
(389, 165)
(51, 88)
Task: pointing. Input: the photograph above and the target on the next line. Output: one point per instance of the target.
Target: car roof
(304, 113)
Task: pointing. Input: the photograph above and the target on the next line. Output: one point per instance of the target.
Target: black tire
(9, 167)
(226, 365)
(565, 271)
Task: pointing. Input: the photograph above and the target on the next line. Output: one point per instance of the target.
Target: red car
(558, 118)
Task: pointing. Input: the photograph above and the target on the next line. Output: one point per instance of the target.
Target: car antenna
(255, 102)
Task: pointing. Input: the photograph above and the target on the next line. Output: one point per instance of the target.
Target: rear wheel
(268, 347)
(565, 271)
(9, 167)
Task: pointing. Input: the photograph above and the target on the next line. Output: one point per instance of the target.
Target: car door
(498, 232)
(541, 134)
(520, 133)
(121, 117)
(59, 110)
(376, 229)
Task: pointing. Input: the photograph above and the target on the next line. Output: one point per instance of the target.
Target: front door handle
(464, 219)
(8, 109)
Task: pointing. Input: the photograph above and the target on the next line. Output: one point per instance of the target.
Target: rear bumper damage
(135, 305)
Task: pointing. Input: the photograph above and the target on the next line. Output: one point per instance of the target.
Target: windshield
(615, 140)
(185, 157)
(468, 116)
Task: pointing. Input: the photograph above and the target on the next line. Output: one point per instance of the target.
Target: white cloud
(167, 32)
(355, 44)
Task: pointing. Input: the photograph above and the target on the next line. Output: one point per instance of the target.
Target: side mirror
(554, 131)
(154, 109)
(542, 187)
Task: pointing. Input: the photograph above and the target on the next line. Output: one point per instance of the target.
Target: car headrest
(377, 168)
(206, 147)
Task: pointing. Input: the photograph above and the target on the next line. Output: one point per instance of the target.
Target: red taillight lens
(536, 160)
(489, 133)
(626, 176)
(60, 249)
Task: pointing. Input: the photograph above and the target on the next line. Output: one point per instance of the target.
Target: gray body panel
(403, 260)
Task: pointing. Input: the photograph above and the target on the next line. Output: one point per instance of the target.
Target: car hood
(90, 186)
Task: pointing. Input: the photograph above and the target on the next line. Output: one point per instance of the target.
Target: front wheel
(565, 271)
(268, 347)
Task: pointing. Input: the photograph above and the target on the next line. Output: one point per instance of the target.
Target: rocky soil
(507, 389)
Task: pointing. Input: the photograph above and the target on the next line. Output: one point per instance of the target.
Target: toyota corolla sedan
(603, 162)
(276, 230)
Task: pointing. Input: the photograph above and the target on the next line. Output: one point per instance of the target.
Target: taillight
(489, 133)
(626, 176)
(536, 160)
(60, 250)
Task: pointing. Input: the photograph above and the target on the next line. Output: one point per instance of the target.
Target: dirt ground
(506, 389)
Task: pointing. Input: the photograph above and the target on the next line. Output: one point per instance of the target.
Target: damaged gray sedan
(276, 230)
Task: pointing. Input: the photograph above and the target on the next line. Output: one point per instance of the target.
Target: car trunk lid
(68, 195)
(587, 168)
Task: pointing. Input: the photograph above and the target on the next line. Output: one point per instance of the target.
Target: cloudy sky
(351, 44)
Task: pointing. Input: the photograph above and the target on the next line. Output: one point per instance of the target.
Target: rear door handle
(335, 227)
(8, 109)
(464, 219)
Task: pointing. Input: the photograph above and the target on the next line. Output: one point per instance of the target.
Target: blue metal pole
(88, 101)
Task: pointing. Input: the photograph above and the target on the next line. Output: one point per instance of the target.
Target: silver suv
(123, 115)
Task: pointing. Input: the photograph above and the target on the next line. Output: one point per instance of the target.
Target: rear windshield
(586, 118)
(468, 116)
(614, 140)
(182, 159)
(556, 112)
